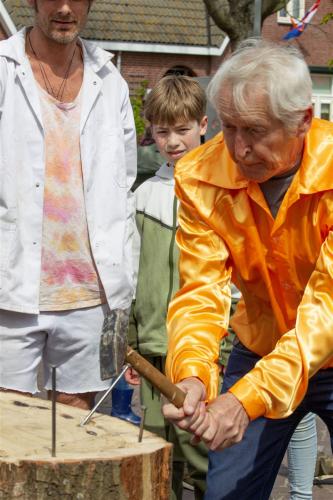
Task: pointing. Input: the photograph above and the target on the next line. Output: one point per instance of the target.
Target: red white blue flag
(300, 25)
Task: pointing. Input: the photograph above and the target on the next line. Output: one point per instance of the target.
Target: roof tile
(177, 22)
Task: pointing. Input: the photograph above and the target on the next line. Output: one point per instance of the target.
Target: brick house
(150, 38)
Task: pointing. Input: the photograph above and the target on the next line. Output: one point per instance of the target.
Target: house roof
(166, 22)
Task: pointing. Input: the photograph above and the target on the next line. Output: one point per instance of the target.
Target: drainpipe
(6, 21)
(257, 18)
(209, 39)
(119, 61)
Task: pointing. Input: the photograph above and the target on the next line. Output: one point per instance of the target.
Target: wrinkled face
(61, 20)
(174, 141)
(258, 143)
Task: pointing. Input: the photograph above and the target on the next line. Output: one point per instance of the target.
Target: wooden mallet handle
(175, 395)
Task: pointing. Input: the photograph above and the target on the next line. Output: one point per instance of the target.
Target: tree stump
(102, 460)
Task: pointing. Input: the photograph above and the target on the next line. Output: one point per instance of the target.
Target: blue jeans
(247, 470)
(302, 457)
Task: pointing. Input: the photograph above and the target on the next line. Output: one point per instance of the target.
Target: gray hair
(276, 70)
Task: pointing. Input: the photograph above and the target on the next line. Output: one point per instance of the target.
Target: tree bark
(236, 17)
(100, 461)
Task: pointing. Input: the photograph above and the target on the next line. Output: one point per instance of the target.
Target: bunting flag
(300, 25)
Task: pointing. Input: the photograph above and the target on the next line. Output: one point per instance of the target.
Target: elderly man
(257, 210)
(67, 162)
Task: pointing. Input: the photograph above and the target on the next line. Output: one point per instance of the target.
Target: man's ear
(203, 125)
(306, 121)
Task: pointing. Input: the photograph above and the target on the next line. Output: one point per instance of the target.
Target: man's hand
(193, 413)
(227, 423)
(220, 425)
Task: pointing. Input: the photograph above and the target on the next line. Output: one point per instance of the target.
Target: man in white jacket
(67, 163)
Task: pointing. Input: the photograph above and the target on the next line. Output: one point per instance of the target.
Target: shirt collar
(95, 57)
(212, 164)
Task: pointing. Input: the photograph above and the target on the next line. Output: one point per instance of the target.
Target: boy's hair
(175, 98)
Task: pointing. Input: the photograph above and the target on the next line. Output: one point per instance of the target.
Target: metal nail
(54, 401)
(97, 405)
(142, 422)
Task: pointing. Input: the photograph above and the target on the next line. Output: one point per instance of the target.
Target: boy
(175, 109)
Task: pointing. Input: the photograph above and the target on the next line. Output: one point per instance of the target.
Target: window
(322, 84)
(322, 97)
(325, 110)
(180, 71)
(295, 8)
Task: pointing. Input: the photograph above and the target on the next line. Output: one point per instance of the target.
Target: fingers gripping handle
(155, 377)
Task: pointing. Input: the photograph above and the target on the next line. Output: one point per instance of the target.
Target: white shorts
(68, 340)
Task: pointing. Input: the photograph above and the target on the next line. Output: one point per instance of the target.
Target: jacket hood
(211, 163)
(166, 173)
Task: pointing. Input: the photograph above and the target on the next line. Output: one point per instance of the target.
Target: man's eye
(257, 131)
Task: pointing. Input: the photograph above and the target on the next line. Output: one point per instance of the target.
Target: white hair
(277, 71)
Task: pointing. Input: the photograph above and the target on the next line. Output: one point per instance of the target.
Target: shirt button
(37, 184)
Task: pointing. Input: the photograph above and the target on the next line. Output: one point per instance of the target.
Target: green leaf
(137, 102)
(328, 17)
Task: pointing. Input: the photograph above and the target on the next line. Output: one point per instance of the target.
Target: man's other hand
(193, 412)
(228, 422)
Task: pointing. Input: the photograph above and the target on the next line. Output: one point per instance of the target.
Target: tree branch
(271, 6)
(235, 17)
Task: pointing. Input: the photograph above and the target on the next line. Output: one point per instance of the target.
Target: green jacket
(156, 256)
(157, 278)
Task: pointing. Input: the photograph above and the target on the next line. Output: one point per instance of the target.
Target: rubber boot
(121, 402)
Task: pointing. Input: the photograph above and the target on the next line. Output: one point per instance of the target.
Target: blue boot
(121, 402)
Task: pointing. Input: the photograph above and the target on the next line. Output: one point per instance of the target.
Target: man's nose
(64, 7)
(173, 140)
(242, 146)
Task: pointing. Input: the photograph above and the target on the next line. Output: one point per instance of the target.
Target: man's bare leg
(2, 389)
(85, 400)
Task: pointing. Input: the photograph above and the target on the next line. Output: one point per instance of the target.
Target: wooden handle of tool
(175, 395)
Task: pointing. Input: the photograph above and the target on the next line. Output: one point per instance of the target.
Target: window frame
(319, 98)
(286, 19)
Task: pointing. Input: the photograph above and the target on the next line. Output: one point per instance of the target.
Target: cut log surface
(101, 460)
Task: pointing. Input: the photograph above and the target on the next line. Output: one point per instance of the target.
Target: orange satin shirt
(283, 268)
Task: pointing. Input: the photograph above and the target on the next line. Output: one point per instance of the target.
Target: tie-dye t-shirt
(69, 278)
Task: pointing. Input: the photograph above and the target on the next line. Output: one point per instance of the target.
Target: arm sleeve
(199, 313)
(129, 137)
(138, 229)
(3, 75)
(130, 163)
(132, 337)
(133, 328)
(278, 383)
